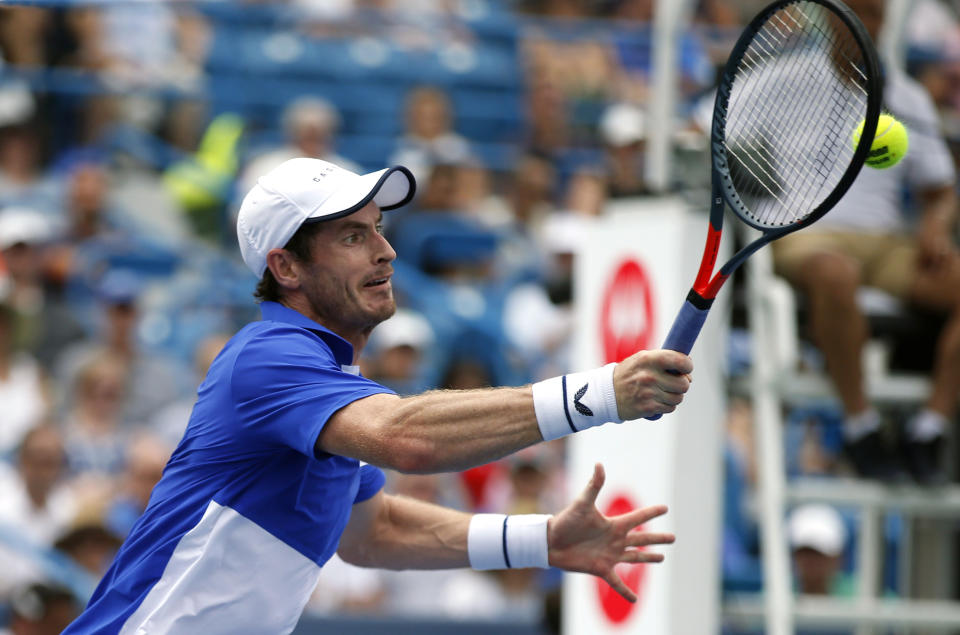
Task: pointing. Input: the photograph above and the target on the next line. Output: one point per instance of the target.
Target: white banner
(632, 275)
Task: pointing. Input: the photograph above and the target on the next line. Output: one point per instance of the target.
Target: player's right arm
(441, 431)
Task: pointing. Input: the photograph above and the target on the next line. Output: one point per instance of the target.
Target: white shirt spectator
(39, 525)
(24, 404)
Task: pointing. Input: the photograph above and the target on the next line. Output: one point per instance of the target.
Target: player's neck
(357, 337)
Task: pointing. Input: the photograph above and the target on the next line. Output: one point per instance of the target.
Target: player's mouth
(378, 283)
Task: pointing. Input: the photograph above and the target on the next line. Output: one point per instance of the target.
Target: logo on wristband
(582, 409)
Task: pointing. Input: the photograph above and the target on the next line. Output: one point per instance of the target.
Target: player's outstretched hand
(651, 382)
(582, 539)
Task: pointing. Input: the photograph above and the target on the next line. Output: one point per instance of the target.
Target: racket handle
(686, 327)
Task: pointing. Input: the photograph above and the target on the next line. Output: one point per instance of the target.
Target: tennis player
(276, 470)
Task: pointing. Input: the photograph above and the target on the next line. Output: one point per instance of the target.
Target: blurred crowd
(129, 132)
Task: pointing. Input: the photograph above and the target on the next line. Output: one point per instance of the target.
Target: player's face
(348, 276)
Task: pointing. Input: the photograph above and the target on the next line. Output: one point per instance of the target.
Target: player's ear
(282, 265)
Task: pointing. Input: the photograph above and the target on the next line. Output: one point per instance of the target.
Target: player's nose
(384, 251)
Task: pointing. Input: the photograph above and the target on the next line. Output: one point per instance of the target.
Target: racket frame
(723, 192)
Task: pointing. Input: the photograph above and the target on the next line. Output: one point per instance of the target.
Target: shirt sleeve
(286, 384)
(372, 479)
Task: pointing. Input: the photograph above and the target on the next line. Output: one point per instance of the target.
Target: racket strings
(797, 96)
(809, 170)
(811, 173)
(761, 166)
(853, 63)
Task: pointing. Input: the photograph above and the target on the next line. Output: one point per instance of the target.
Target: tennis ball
(890, 143)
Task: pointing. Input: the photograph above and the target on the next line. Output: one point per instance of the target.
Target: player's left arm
(395, 532)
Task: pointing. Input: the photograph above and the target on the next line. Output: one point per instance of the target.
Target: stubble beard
(356, 320)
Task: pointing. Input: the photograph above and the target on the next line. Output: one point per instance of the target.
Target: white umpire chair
(776, 382)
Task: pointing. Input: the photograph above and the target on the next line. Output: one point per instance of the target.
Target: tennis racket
(799, 80)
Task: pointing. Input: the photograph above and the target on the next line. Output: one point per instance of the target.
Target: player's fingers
(619, 586)
(663, 409)
(676, 384)
(635, 556)
(640, 516)
(669, 398)
(676, 363)
(644, 538)
(590, 493)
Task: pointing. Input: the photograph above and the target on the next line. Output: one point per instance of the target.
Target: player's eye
(352, 238)
(380, 228)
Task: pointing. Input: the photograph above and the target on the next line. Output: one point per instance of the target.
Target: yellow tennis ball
(890, 143)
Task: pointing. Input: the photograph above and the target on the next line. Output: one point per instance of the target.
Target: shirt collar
(276, 312)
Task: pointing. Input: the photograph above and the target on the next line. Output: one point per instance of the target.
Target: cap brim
(389, 188)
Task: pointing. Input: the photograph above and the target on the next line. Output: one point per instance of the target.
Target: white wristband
(497, 541)
(575, 402)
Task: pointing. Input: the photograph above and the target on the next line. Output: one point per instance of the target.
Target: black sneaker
(924, 461)
(871, 458)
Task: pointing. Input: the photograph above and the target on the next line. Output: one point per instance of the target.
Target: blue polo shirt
(246, 513)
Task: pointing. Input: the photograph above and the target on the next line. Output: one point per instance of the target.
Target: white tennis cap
(304, 190)
(818, 527)
(22, 225)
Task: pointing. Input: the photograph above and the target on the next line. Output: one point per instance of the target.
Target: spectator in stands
(22, 180)
(818, 539)
(939, 74)
(90, 545)
(45, 324)
(440, 238)
(538, 314)
(171, 419)
(96, 432)
(146, 456)
(153, 380)
(24, 36)
(586, 192)
(633, 48)
(867, 240)
(310, 126)
(933, 58)
(623, 130)
(35, 506)
(547, 112)
(740, 559)
(32, 494)
(398, 350)
(720, 23)
(41, 609)
(555, 8)
(475, 192)
(580, 64)
(201, 182)
(429, 136)
(150, 45)
(93, 229)
(934, 24)
(88, 185)
(23, 391)
(530, 201)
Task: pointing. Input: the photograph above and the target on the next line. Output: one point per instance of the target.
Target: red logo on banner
(614, 606)
(626, 316)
